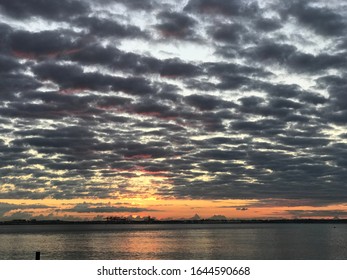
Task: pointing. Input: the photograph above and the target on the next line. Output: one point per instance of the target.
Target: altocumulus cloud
(194, 99)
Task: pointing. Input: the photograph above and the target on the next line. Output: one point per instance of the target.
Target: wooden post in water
(37, 256)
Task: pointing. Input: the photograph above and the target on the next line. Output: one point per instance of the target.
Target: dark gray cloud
(322, 20)
(45, 43)
(136, 4)
(227, 8)
(317, 213)
(311, 63)
(12, 83)
(197, 99)
(109, 28)
(267, 24)
(205, 102)
(230, 33)
(289, 56)
(173, 68)
(7, 207)
(271, 51)
(176, 25)
(52, 10)
(106, 208)
(8, 64)
(73, 77)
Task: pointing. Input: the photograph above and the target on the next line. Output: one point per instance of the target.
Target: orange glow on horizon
(165, 209)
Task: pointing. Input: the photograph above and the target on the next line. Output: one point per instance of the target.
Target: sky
(219, 108)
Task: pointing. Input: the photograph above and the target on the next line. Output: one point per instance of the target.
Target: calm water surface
(223, 241)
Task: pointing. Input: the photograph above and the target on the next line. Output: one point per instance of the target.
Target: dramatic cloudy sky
(171, 108)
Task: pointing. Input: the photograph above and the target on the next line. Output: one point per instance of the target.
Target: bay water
(174, 241)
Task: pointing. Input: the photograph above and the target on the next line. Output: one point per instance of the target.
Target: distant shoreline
(203, 221)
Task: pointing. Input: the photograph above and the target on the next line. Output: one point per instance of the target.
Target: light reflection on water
(245, 241)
